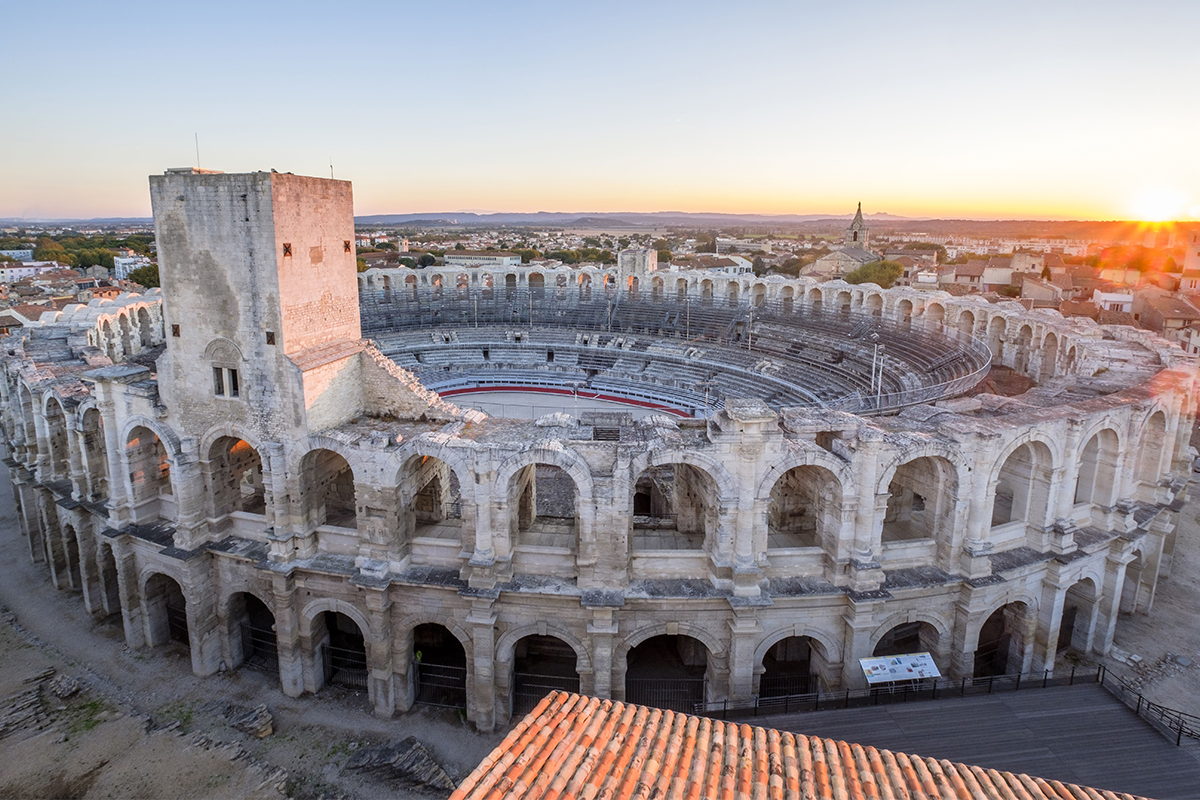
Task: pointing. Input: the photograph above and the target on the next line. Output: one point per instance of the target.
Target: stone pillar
(1049, 624)
(75, 459)
(860, 623)
(287, 634)
(189, 487)
(44, 461)
(1110, 599)
(130, 594)
(381, 676)
(603, 629)
(481, 706)
(965, 640)
(744, 633)
(865, 571)
(204, 631)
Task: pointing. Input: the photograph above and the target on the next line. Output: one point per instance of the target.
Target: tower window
(287, 249)
(225, 382)
(219, 381)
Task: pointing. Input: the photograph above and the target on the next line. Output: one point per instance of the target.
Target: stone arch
(237, 480)
(997, 330)
(1097, 468)
(819, 458)
(830, 641)
(892, 621)
(145, 329)
(508, 641)
(1152, 447)
(805, 509)
(788, 299)
(150, 469)
(1004, 639)
(904, 313)
(923, 494)
(55, 416)
(873, 304)
(565, 460)
(1049, 350)
(966, 323)
(934, 315)
(726, 485)
(732, 290)
(95, 450)
(164, 607)
(1022, 477)
(321, 604)
(165, 434)
(1078, 619)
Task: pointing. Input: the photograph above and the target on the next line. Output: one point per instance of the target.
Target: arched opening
(681, 289)
(585, 287)
(1002, 642)
(935, 313)
(996, 333)
(387, 290)
(966, 324)
(436, 283)
(843, 301)
(805, 509)
(814, 300)
(731, 293)
(793, 666)
(145, 331)
(252, 640)
(1150, 458)
(546, 502)
(909, 637)
(904, 313)
(165, 610)
(1023, 486)
(1096, 479)
(1078, 617)
(667, 672)
(27, 420)
(1024, 340)
(440, 667)
(1069, 362)
(921, 498)
(56, 438)
(149, 476)
(510, 286)
(656, 290)
(541, 664)
(674, 508)
(706, 292)
(71, 552)
(328, 490)
(610, 285)
(537, 286)
(126, 334)
(435, 510)
(759, 295)
(236, 478)
(343, 650)
(560, 287)
(873, 305)
(632, 287)
(462, 284)
(410, 286)
(789, 299)
(95, 455)
(1049, 356)
(110, 341)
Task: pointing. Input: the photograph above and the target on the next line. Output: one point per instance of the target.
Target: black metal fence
(346, 667)
(260, 649)
(440, 684)
(907, 691)
(1171, 722)
(677, 694)
(786, 685)
(530, 688)
(177, 626)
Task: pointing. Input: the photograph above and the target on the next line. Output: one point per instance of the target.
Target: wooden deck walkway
(1080, 734)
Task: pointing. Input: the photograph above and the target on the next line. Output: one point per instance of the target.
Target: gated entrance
(667, 672)
(541, 664)
(345, 652)
(439, 667)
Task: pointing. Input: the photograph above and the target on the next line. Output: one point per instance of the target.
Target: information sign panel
(908, 667)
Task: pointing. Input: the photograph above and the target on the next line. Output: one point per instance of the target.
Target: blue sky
(1070, 109)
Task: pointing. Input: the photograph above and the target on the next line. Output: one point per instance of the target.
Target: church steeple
(856, 234)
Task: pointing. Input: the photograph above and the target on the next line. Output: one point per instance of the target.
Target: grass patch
(86, 716)
(178, 711)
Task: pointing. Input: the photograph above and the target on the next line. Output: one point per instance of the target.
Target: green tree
(941, 251)
(386, 246)
(664, 255)
(459, 246)
(759, 266)
(527, 254)
(411, 263)
(1009, 291)
(881, 273)
(362, 264)
(426, 260)
(1045, 273)
(147, 276)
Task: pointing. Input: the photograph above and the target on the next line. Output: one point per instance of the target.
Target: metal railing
(677, 694)
(345, 667)
(530, 688)
(1171, 722)
(260, 649)
(177, 626)
(909, 691)
(440, 684)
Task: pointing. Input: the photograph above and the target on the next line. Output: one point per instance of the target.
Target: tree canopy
(881, 273)
(147, 276)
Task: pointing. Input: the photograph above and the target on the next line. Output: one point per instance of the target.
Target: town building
(481, 258)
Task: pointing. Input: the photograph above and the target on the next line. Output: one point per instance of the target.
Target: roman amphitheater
(769, 479)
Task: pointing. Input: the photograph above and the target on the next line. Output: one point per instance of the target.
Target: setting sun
(1159, 205)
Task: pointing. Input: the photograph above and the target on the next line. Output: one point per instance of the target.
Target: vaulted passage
(1003, 640)
(236, 477)
(674, 508)
(166, 611)
(435, 509)
(440, 667)
(805, 508)
(921, 501)
(667, 672)
(545, 500)
(541, 664)
(792, 666)
(149, 476)
(328, 485)
(1023, 486)
(343, 650)
(252, 640)
(909, 637)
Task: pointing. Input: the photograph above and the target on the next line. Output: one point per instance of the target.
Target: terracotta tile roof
(574, 746)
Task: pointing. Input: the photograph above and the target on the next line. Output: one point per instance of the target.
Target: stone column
(130, 594)
(75, 460)
(1110, 599)
(1049, 624)
(603, 630)
(860, 623)
(287, 634)
(381, 686)
(481, 706)
(204, 634)
(744, 633)
(189, 486)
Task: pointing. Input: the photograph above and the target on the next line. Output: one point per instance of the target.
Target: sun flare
(1159, 205)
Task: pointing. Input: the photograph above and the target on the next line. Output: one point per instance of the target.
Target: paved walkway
(1080, 734)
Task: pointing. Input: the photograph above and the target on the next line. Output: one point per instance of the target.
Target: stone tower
(259, 284)
(1192, 260)
(857, 234)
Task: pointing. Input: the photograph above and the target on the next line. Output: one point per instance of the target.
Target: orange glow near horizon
(1160, 205)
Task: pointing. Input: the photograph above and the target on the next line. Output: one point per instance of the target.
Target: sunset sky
(949, 109)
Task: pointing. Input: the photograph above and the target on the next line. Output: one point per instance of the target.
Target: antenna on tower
(331, 167)
(197, 135)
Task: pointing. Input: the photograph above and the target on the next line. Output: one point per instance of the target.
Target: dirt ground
(143, 726)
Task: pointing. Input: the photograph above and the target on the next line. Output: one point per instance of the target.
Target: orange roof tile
(573, 746)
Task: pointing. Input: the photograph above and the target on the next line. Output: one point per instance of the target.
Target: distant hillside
(656, 219)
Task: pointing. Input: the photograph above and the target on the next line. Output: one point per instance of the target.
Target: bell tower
(857, 234)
